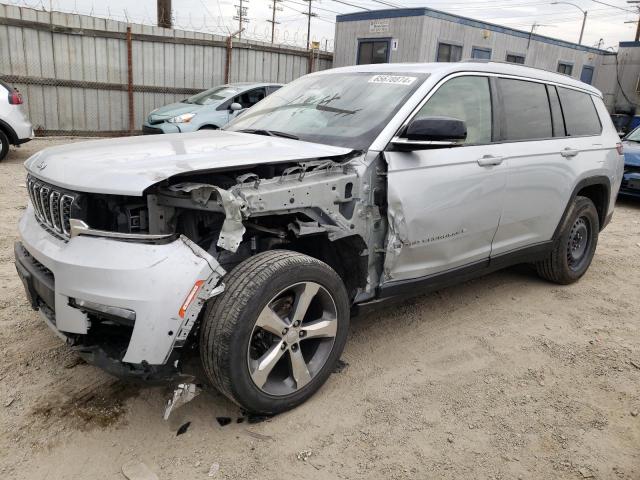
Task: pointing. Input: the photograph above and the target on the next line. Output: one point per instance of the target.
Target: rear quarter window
(580, 115)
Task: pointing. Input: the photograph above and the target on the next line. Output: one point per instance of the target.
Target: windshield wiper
(269, 133)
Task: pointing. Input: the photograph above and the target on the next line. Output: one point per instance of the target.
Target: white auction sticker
(394, 79)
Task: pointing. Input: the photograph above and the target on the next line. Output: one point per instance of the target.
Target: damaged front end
(129, 275)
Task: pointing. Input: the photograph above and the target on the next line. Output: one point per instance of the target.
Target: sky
(605, 24)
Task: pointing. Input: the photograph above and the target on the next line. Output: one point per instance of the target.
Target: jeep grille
(52, 206)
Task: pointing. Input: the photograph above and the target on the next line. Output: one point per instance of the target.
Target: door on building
(373, 51)
(587, 74)
(446, 202)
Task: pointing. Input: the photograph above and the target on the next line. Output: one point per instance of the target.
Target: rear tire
(4, 145)
(273, 337)
(575, 246)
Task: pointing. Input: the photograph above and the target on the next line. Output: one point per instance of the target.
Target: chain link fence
(88, 76)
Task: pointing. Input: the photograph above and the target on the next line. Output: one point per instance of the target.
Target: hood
(173, 110)
(631, 153)
(129, 165)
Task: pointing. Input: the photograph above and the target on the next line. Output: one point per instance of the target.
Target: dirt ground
(503, 377)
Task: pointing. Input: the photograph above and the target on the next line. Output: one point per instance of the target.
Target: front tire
(575, 246)
(273, 337)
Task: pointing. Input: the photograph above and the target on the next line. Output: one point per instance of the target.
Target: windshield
(213, 95)
(634, 136)
(340, 109)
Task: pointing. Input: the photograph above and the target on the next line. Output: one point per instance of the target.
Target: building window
(373, 51)
(587, 74)
(449, 53)
(481, 53)
(515, 58)
(565, 68)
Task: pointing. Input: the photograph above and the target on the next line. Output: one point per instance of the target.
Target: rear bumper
(81, 286)
(20, 125)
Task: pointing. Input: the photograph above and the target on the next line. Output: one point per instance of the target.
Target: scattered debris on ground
(183, 428)
(135, 470)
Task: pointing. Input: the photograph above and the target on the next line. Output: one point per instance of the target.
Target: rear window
(580, 115)
(526, 110)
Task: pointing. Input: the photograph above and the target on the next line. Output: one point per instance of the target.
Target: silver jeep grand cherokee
(253, 244)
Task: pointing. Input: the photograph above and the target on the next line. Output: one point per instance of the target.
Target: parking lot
(505, 376)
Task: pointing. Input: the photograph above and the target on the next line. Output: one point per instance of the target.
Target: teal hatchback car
(210, 109)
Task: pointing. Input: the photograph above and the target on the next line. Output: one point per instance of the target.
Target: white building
(428, 35)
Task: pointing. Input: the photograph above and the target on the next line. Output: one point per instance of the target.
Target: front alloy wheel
(292, 338)
(273, 337)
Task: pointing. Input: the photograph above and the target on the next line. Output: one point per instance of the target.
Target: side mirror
(235, 106)
(431, 132)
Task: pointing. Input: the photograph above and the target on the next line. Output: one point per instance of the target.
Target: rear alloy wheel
(575, 245)
(273, 337)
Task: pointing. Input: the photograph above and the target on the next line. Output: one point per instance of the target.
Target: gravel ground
(505, 377)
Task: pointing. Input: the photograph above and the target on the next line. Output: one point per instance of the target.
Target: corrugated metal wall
(73, 69)
(418, 38)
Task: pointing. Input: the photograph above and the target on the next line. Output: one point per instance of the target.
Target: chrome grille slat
(52, 207)
(44, 202)
(65, 213)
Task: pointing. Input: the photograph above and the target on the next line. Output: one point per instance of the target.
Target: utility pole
(241, 16)
(584, 17)
(635, 3)
(533, 30)
(275, 7)
(309, 15)
(163, 11)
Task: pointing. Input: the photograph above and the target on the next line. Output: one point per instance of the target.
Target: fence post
(130, 80)
(227, 65)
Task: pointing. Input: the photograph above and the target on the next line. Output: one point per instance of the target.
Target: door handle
(569, 152)
(490, 160)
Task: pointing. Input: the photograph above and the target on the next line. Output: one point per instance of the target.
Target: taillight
(15, 98)
(620, 148)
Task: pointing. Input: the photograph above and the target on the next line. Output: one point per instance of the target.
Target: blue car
(631, 180)
(210, 109)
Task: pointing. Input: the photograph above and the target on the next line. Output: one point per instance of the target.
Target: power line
(613, 6)
(316, 7)
(351, 5)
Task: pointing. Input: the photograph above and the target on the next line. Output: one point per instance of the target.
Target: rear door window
(525, 108)
(580, 115)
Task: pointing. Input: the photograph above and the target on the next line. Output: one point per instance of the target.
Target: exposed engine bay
(328, 208)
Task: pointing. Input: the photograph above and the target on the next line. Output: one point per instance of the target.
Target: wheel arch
(346, 255)
(9, 131)
(598, 190)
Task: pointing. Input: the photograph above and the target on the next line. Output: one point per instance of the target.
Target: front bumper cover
(152, 280)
